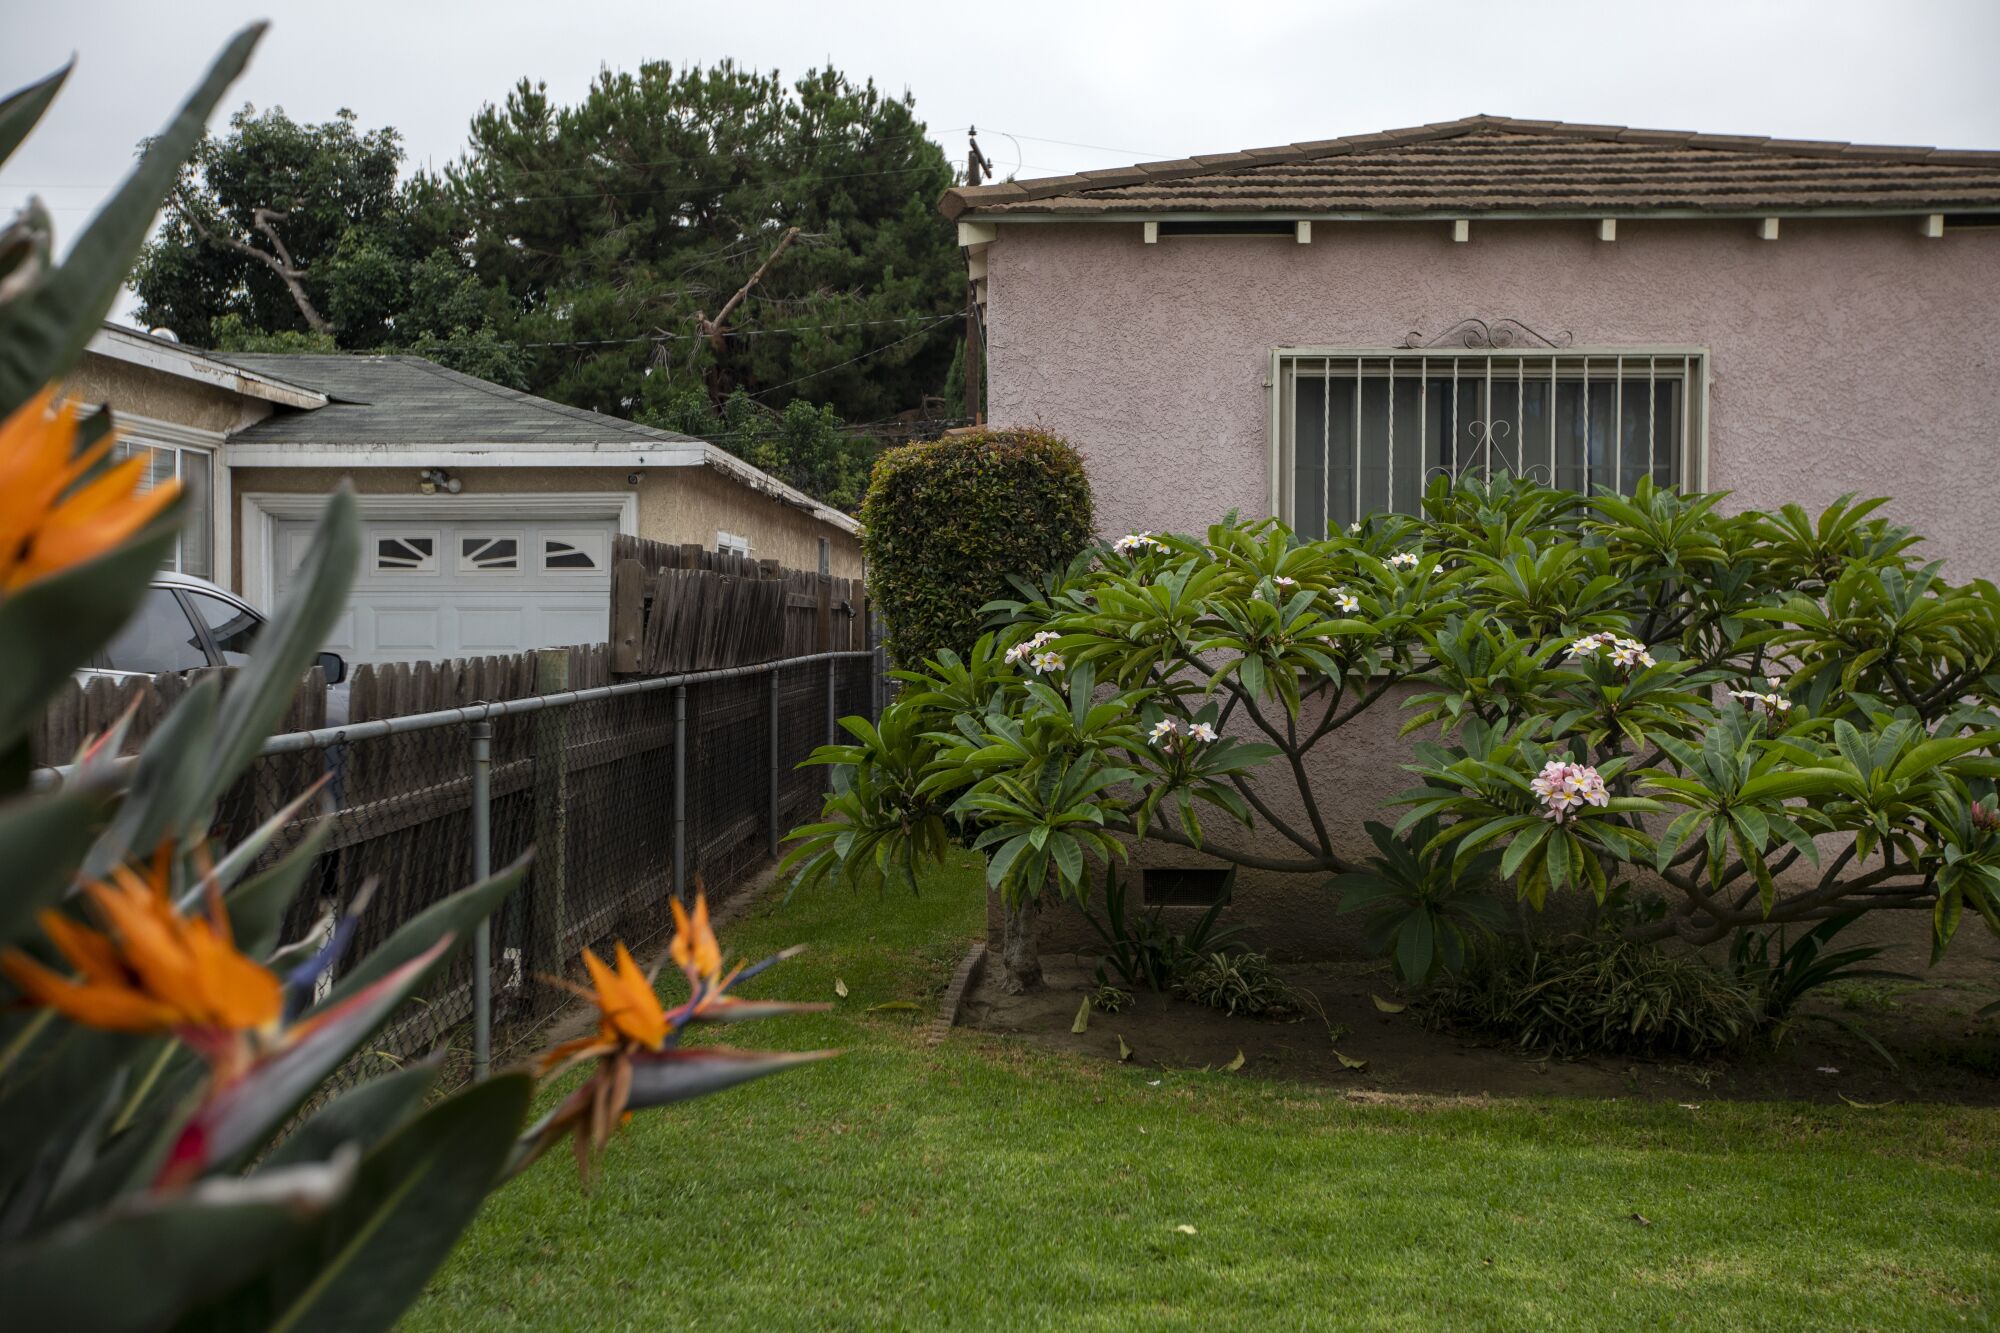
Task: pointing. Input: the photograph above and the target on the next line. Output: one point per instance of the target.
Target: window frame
(1281, 373)
(133, 438)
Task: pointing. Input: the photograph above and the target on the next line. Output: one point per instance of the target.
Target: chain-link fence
(626, 793)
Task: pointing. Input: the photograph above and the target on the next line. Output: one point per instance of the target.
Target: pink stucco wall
(1846, 356)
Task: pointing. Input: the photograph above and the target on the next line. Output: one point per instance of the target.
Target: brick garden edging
(954, 994)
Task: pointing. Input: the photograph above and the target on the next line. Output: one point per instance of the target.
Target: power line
(827, 370)
(733, 333)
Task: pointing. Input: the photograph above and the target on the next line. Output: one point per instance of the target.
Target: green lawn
(984, 1184)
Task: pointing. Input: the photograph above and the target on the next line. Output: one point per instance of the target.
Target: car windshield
(233, 627)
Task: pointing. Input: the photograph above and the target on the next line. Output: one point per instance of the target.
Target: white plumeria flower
(1773, 704)
(1045, 662)
(1355, 526)
(1346, 600)
(1201, 731)
(1626, 653)
(1284, 582)
(1566, 788)
(1162, 729)
(1403, 560)
(1138, 543)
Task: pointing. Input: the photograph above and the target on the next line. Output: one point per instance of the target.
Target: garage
(438, 588)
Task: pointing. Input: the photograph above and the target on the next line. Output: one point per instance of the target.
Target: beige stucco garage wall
(677, 505)
(143, 392)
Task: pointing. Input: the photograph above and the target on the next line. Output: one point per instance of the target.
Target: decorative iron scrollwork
(1477, 333)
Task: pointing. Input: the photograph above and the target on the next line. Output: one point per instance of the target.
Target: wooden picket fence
(687, 608)
(83, 710)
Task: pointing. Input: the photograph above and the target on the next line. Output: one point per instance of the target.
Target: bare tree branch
(278, 259)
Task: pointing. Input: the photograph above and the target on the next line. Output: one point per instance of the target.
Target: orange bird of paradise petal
(152, 970)
(53, 515)
(694, 949)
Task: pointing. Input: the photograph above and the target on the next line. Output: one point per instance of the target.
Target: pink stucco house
(1314, 330)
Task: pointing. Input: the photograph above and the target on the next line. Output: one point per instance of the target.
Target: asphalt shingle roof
(1495, 164)
(409, 400)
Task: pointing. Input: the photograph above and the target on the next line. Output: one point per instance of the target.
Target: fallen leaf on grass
(1642, 1219)
(1082, 1016)
(893, 1007)
(1124, 1051)
(1865, 1106)
(1349, 1062)
(1387, 1006)
(1153, 1082)
(840, 988)
(1690, 1106)
(1187, 1230)
(1235, 1064)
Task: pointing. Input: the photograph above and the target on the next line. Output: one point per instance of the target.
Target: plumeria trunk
(1020, 954)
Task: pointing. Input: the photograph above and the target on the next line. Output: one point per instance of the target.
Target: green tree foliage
(945, 524)
(803, 445)
(658, 195)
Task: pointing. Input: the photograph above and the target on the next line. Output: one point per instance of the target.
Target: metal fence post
(832, 675)
(680, 791)
(482, 866)
(771, 682)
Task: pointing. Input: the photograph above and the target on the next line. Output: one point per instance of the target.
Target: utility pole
(977, 166)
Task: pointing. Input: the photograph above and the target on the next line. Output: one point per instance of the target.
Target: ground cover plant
(986, 1183)
(1603, 693)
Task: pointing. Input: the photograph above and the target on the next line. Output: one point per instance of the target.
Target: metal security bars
(627, 793)
(1363, 432)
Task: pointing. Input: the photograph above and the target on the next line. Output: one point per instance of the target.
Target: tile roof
(407, 400)
(1492, 164)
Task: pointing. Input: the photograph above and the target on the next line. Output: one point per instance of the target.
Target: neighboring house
(1786, 320)
(487, 513)
(1316, 330)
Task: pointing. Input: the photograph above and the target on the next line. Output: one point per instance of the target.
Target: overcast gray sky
(1085, 83)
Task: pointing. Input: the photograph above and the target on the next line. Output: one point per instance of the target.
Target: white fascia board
(690, 453)
(759, 480)
(667, 454)
(138, 349)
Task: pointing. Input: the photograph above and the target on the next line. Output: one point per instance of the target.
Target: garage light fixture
(432, 480)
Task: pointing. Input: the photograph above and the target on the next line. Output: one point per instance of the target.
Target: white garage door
(432, 590)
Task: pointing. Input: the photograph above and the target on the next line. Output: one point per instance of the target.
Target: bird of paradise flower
(640, 1062)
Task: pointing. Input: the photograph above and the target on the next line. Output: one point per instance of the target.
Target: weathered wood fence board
(684, 608)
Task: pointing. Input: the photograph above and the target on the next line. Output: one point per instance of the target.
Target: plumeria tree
(158, 1039)
(1756, 716)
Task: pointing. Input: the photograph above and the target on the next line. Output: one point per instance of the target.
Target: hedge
(945, 522)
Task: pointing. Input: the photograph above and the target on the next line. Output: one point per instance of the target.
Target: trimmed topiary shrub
(945, 523)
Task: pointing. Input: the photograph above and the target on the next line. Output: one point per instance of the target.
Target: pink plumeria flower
(1201, 731)
(1566, 788)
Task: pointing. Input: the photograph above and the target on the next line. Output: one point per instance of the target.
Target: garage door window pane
(415, 554)
(488, 553)
(157, 639)
(561, 555)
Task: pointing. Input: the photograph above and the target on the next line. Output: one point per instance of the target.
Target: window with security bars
(1364, 433)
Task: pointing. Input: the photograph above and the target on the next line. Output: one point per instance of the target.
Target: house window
(194, 553)
(732, 543)
(1363, 433)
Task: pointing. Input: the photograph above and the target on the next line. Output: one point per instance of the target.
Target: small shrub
(1593, 995)
(1144, 950)
(1108, 999)
(945, 522)
(1242, 983)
